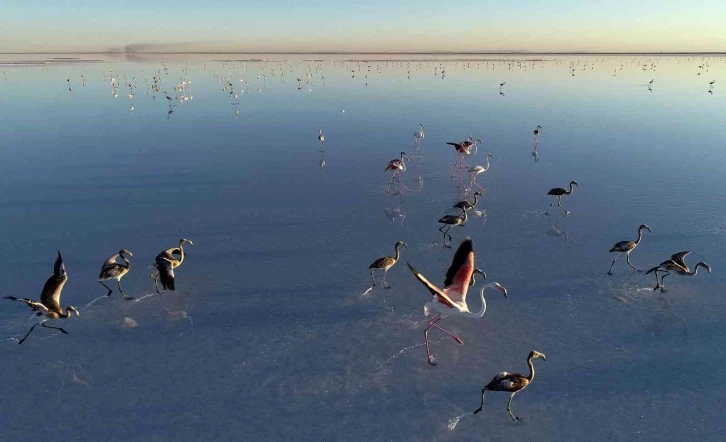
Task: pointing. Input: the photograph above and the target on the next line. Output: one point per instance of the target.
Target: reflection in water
(556, 231)
(535, 152)
(322, 160)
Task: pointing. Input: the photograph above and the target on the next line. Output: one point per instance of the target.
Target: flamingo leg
(610, 272)
(456, 338)
(373, 278)
(431, 359)
(483, 390)
(446, 233)
(156, 281)
(28, 334)
(662, 281)
(627, 256)
(559, 203)
(515, 419)
(550, 208)
(109, 290)
(128, 298)
(385, 283)
(42, 324)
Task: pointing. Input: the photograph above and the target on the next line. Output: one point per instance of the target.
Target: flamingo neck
(531, 369)
(483, 310)
(487, 166)
(640, 236)
(181, 252)
(695, 269)
(126, 260)
(569, 192)
(476, 195)
(65, 314)
(464, 218)
(398, 253)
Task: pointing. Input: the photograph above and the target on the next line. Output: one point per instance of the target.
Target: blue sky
(377, 25)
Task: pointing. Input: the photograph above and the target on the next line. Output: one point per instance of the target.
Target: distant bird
(466, 205)
(386, 263)
(451, 300)
(676, 264)
(513, 383)
(712, 82)
(49, 305)
(451, 220)
(537, 131)
(476, 170)
(501, 85)
(168, 98)
(321, 137)
(559, 192)
(419, 134)
(650, 83)
(165, 262)
(627, 247)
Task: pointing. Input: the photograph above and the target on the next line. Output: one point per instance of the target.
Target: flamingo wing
(459, 275)
(50, 297)
(440, 295)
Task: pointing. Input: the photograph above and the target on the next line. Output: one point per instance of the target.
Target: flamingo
(476, 170)
(451, 300)
(451, 220)
(419, 134)
(321, 137)
(113, 270)
(537, 131)
(165, 263)
(385, 264)
(464, 148)
(397, 166)
(559, 192)
(49, 305)
(676, 264)
(513, 383)
(466, 205)
(627, 247)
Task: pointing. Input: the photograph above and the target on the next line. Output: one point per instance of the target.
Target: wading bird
(464, 148)
(165, 264)
(386, 263)
(513, 383)
(451, 220)
(113, 270)
(419, 134)
(559, 192)
(677, 264)
(466, 205)
(49, 305)
(396, 166)
(627, 247)
(476, 170)
(451, 300)
(537, 131)
(321, 137)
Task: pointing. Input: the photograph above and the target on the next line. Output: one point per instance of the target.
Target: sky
(373, 26)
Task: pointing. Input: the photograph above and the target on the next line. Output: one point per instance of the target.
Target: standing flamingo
(451, 300)
(466, 205)
(513, 383)
(397, 166)
(385, 264)
(476, 170)
(113, 270)
(451, 220)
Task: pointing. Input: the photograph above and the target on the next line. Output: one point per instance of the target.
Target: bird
(627, 247)
(513, 383)
(397, 166)
(451, 300)
(451, 220)
(419, 134)
(113, 270)
(49, 305)
(711, 82)
(165, 263)
(558, 192)
(473, 171)
(321, 137)
(501, 85)
(676, 264)
(537, 131)
(464, 148)
(466, 205)
(385, 264)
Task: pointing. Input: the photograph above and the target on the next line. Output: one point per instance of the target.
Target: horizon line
(506, 52)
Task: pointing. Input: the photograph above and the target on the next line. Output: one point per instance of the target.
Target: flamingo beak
(501, 288)
(544, 358)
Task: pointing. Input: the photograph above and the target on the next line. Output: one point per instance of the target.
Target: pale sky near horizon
(375, 25)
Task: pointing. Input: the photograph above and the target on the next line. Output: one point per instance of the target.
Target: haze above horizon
(377, 26)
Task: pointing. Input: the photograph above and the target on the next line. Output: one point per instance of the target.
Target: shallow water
(273, 334)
